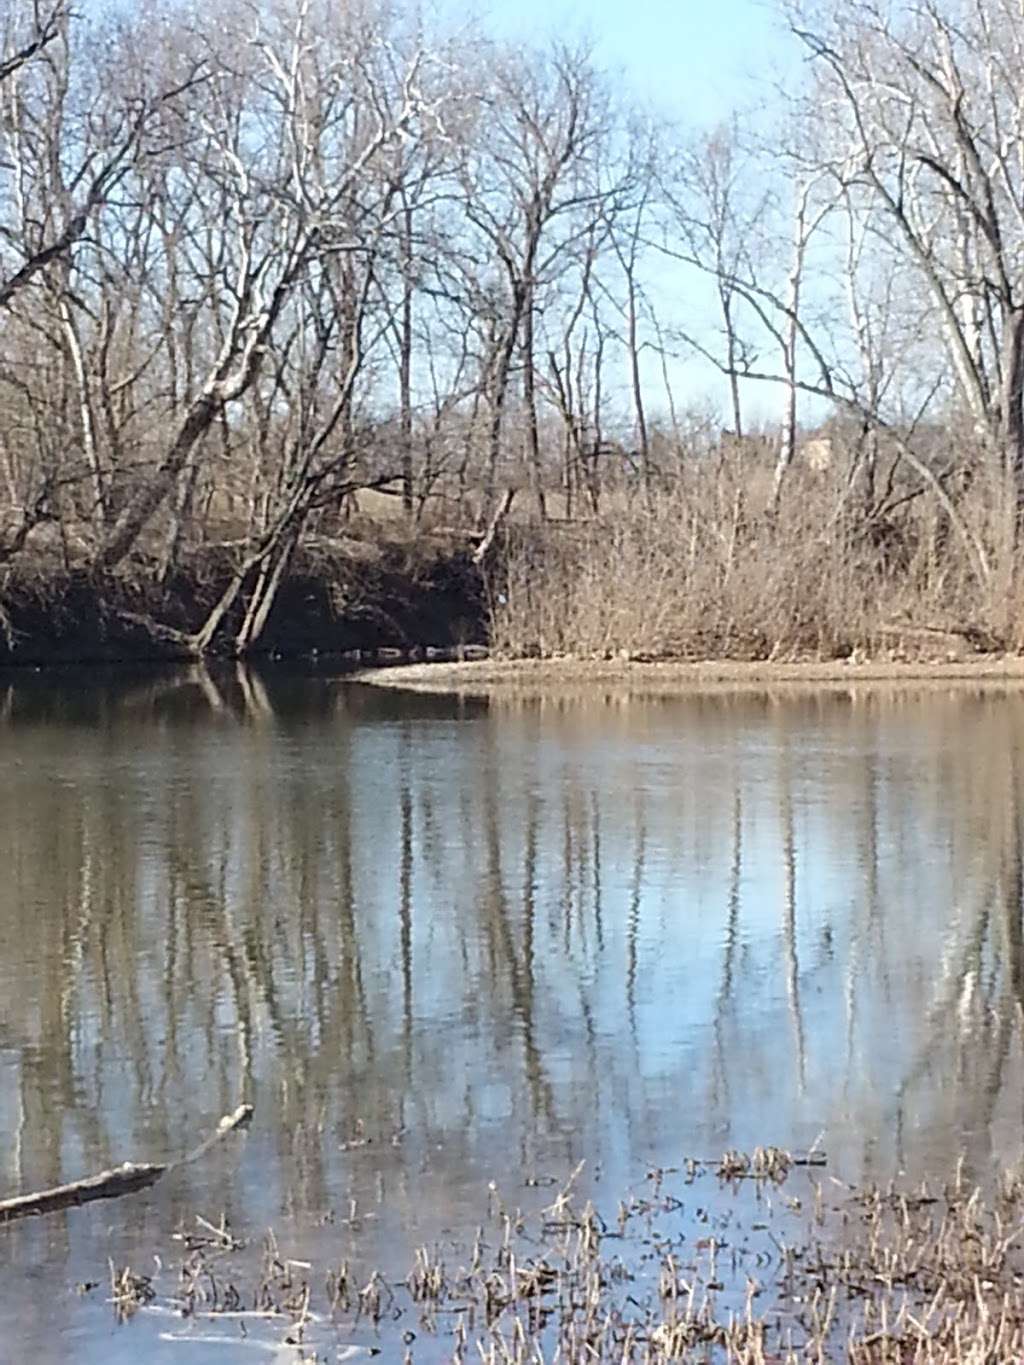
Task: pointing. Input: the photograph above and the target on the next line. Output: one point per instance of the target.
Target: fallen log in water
(127, 1178)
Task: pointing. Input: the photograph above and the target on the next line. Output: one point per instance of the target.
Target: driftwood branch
(127, 1178)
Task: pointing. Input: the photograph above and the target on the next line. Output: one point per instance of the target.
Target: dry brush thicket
(705, 571)
(293, 282)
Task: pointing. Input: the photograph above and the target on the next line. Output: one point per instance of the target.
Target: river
(441, 944)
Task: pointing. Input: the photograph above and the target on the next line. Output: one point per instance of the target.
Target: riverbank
(512, 676)
(548, 594)
(394, 600)
(390, 599)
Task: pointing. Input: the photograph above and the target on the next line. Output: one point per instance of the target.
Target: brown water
(441, 943)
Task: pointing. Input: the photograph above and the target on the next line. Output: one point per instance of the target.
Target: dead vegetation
(703, 570)
(750, 1258)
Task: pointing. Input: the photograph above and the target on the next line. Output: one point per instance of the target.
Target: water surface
(440, 943)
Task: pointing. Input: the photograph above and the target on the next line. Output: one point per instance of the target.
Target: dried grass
(714, 1260)
(704, 569)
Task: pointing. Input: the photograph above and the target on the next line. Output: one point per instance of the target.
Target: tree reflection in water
(441, 941)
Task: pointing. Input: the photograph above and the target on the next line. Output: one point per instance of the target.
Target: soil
(335, 600)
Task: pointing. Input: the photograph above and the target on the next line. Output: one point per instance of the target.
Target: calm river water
(439, 943)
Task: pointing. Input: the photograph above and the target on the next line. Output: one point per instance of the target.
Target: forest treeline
(318, 302)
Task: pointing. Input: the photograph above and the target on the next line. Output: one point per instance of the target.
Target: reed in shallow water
(754, 1258)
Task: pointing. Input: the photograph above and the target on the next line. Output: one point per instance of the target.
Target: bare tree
(807, 217)
(927, 126)
(69, 146)
(358, 170)
(717, 206)
(51, 208)
(531, 187)
(284, 203)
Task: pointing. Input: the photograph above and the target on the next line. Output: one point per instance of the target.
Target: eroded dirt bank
(392, 599)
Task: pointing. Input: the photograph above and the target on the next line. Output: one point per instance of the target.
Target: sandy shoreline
(496, 676)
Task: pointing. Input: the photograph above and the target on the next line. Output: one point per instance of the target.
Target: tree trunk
(498, 394)
(88, 423)
(1013, 402)
(139, 509)
(268, 581)
(787, 448)
(530, 402)
(730, 352)
(203, 637)
(405, 345)
(644, 446)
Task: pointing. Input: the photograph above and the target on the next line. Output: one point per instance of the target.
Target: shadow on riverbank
(398, 602)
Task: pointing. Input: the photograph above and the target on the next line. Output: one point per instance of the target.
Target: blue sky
(695, 62)
(695, 59)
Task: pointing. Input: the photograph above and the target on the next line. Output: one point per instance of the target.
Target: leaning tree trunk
(204, 636)
(140, 509)
(268, 581)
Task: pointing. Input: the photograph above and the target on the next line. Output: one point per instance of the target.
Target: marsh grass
(705, 569)
(750, 1259)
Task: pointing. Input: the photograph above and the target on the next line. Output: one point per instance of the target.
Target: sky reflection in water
(440, 942)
